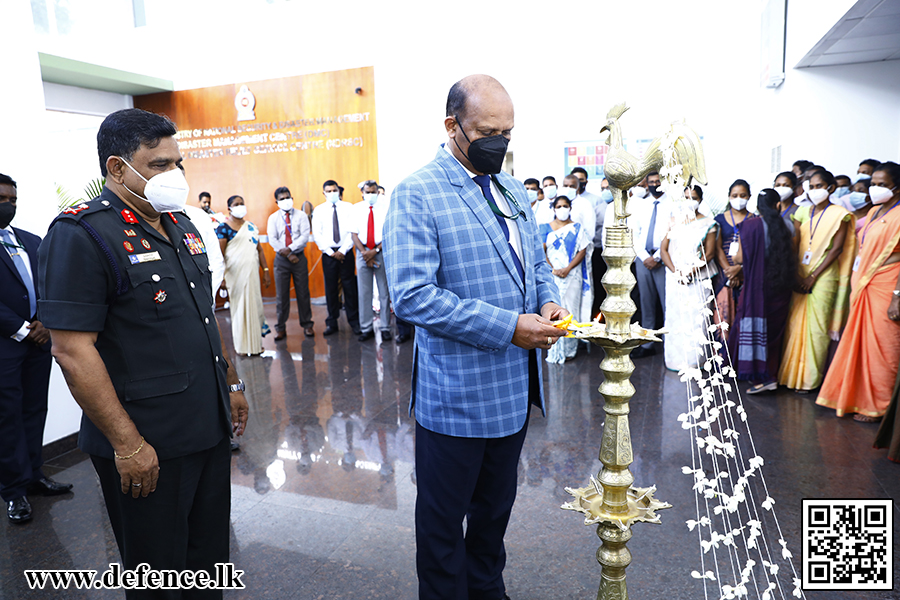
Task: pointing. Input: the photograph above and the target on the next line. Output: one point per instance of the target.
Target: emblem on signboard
(245, 102)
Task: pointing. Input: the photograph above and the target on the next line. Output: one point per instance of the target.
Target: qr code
(847, 544)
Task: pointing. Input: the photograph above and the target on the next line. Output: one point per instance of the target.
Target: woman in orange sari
(862, 374)
(826, 246)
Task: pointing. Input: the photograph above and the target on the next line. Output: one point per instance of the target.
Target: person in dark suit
(125, 292)
(466, 267)
(24, 367)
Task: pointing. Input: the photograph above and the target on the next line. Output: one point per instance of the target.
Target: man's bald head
(470, 90)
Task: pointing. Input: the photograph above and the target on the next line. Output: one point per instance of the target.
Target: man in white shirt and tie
(651, 223)
(288, 231)
(366, 229)
(331, 231)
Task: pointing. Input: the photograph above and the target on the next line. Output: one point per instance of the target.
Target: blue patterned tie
(650, 236)
(484, 182)
(23, 272)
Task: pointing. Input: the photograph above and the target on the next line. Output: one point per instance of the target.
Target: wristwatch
(897, 292)
(239, 387)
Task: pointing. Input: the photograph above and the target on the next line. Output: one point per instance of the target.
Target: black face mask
(485, 154)
(654, 189)
(7, 212)
(582, 185)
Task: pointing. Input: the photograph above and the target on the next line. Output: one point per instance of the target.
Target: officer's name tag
(856, 264)
(733, 249)
(145, 257)
(807, 257)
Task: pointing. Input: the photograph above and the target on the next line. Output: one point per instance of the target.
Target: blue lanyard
(869, 224)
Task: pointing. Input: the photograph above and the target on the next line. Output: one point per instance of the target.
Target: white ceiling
(869, 32)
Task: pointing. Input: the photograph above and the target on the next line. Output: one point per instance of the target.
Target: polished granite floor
(324, 484)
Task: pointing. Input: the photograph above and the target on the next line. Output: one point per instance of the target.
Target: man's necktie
(650, 230)
(336, 229)
(370, 230)
(23, 271)
(484, 182)
(288, 237)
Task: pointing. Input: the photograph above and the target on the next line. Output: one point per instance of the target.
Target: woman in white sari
(686, 251)
(239, 240)
(565, 243)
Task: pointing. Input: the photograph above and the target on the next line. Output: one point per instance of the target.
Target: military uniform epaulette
(77, 211)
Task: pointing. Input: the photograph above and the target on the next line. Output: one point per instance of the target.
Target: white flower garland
(729, 521)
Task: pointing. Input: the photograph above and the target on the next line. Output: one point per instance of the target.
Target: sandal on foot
(763, 387)
(865, 418)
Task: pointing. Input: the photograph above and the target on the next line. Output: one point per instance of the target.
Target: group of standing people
(807, 288)
(349, 237)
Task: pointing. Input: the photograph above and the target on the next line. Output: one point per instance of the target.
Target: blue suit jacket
(451, 273)
(13, 293)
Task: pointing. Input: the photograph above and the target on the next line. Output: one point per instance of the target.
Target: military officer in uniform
(125, 288)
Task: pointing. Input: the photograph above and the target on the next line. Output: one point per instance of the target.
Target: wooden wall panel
(305, 137)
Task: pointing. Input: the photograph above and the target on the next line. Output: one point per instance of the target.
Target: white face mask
(691, 206)
(568, 192)
(818, 195)
(784, 192)
(371, 198)
(166, 192)
(550, 192)
(739, 203)
(562, 213)
(639, 191)
(879, 194)
(532, 195)
(286, 203)
(333, 197)
(239, 211)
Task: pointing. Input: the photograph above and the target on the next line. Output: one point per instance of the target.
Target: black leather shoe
(47, 487)
(19, 510)
(309, 331)
(402, 338)
(357, 331)
(386, 336)
(368, 335)
(235, 445)
(280, 335)
(330, 331)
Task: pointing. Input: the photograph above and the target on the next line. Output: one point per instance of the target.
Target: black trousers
(184, 524)
(24, 380)
(471, 478)
(599, 269)
(344, 272)
(285, 270)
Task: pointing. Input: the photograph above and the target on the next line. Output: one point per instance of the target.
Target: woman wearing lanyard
(862, 375)
(727, 284)
(784, 184)
(826, 246)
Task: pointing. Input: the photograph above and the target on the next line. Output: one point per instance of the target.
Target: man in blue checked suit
(465, 265)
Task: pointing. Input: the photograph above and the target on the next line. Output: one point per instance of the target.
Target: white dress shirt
(515, 238)
(543, 211)
(276, 228)
(583, 212)
(206, 225)
(599, 207)
(642, 212)
(323, 229)
(360, 225)
(23, 331)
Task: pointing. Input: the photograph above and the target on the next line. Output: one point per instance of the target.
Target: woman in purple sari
(770, 270)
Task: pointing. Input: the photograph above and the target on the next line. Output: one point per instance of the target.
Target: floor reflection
(324, 483)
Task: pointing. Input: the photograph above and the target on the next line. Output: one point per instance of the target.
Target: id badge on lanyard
(807, 257)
